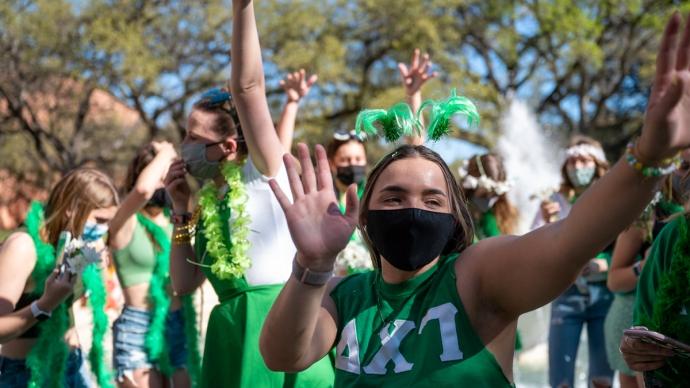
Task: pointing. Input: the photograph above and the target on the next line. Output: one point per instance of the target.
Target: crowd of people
(329, 276)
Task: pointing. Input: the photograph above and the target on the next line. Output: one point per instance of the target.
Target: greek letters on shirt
(391, 336)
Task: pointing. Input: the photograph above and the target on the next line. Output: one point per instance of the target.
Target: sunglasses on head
(217, 98)
(351, 135)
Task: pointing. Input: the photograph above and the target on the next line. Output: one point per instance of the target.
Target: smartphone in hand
(681, 349)
(63, 241)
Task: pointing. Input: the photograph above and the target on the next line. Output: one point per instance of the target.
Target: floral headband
(400, 121)
(586, 150)
(471, 182)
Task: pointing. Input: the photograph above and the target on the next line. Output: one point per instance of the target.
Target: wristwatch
(309, 277)
(39, 314)
(636, 268)
(181, 219)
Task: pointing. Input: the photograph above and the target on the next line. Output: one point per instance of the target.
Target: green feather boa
(93, 283)
(48, 357)
(155, 342)
(672, 296)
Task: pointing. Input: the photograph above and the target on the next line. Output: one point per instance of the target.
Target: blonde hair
(73, 198)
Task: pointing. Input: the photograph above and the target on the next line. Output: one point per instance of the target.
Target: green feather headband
(395, 122)
(442, 112)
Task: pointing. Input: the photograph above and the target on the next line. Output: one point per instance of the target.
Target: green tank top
(413, 334)
(135, 262)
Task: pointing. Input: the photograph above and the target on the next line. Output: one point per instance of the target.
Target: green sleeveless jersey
(413, 334)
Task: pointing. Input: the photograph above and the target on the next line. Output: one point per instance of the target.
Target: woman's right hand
(58, 286)
(177, 187)
(642, 356)
(318, 228)
(550, 211)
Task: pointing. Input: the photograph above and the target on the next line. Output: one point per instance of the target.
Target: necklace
(230, 255)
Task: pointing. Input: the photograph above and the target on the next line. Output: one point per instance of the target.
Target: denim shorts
(15, 374)
(129, 341)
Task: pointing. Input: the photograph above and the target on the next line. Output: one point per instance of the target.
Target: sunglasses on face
(351, 135)
(220, 99)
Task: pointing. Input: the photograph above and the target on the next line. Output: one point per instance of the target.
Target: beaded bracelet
(667, 165)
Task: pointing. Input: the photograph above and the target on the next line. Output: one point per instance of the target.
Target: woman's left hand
(667, 120)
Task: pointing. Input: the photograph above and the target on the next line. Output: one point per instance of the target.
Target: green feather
(443, 111)
(396, 122)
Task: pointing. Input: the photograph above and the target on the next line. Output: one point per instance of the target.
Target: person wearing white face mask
(587, 301)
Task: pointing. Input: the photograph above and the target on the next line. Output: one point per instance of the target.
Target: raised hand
(318, 228)
(164, 147)
(416, 75)
(667, 120)
(177, 187)
(297, 85)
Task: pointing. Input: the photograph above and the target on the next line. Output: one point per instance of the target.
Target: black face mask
(410, 238)
(159, 199)
(351, 174)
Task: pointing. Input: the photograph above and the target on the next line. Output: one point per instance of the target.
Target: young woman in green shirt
(442, 311)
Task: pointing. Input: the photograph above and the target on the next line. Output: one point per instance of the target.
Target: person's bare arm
(185, 277)
(621, 276)
(413, 78)
(17, 261)
(249, 91)
(301, 326)
(121, 227)
(518, 274)
(296, 86)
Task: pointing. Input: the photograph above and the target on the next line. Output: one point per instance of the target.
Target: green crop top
(135, 262)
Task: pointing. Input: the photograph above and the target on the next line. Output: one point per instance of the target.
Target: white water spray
(532, 162)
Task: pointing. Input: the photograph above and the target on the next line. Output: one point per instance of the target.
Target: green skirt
(231, 354)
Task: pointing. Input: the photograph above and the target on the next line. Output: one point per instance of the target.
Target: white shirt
(271, 248)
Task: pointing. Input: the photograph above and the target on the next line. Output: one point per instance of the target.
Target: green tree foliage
(583, 65)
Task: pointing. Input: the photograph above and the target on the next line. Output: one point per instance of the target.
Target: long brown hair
(602, 166)
(73, 198)
(464, 230)
(492, 164)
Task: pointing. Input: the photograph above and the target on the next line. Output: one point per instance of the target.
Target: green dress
(412, 334)
(231, 354)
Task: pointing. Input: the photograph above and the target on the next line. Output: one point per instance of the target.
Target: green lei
(155, 342)
(672, 296)
(48, 356)
(230, 257)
